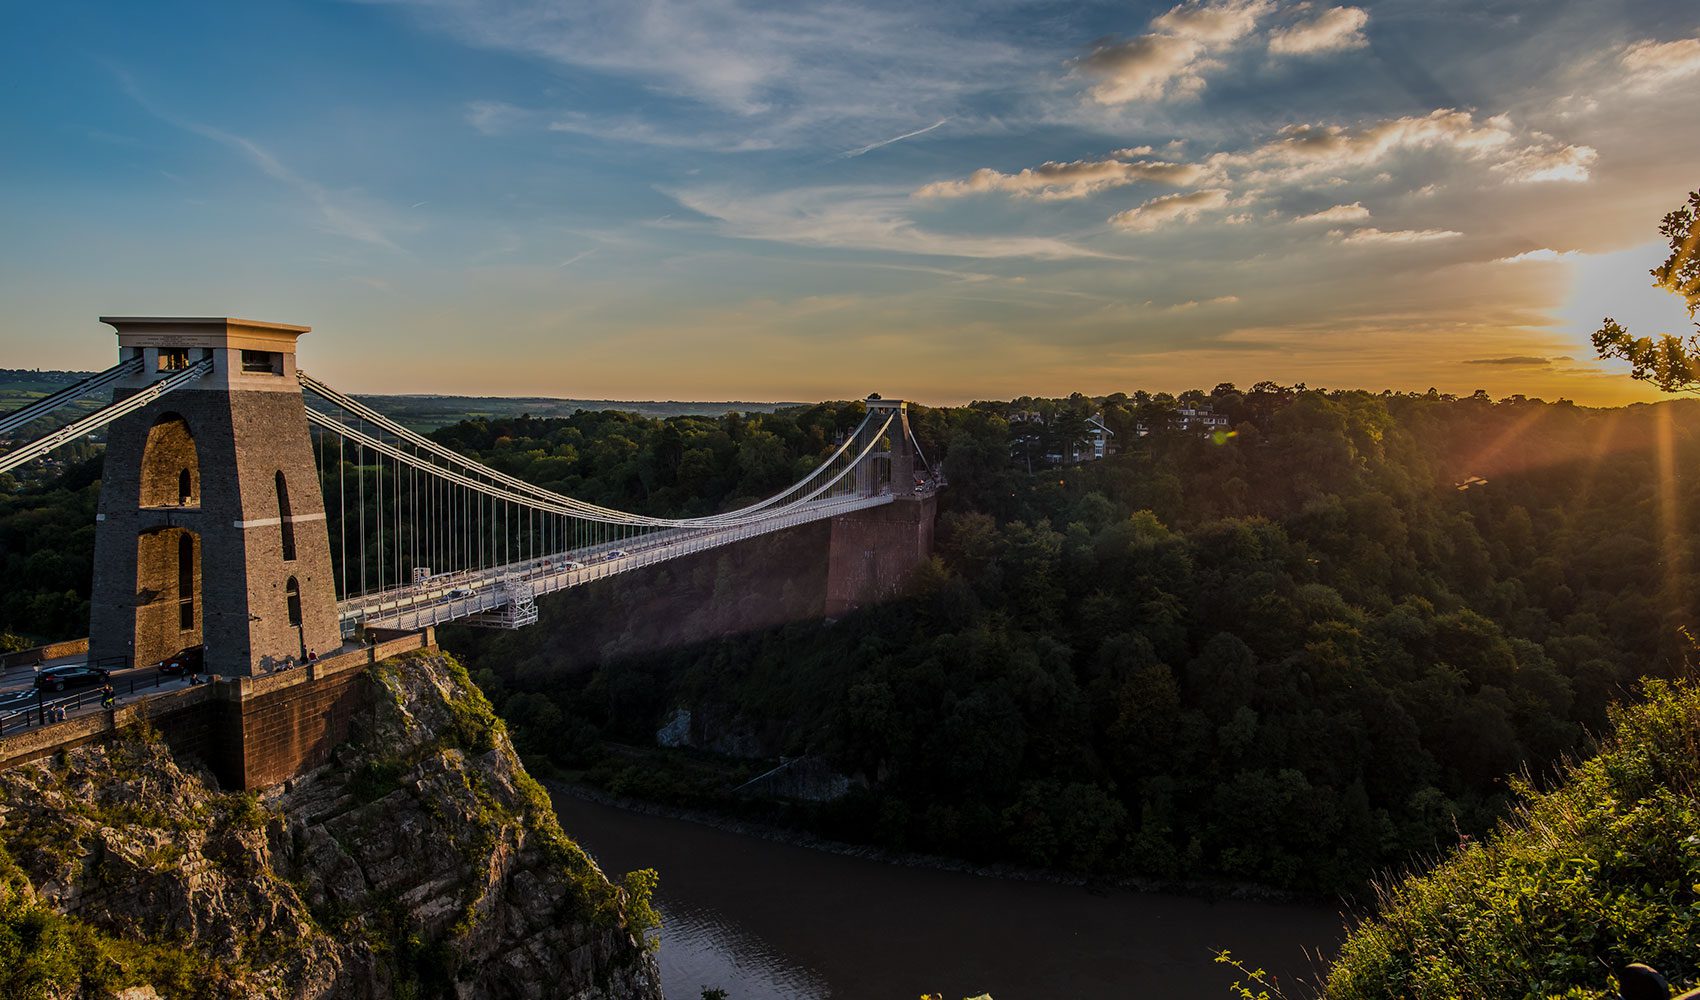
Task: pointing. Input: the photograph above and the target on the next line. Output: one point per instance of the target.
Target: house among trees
(1199, 418)
(1098, 439)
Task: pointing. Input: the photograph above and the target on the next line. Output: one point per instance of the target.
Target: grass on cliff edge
(1580, 881)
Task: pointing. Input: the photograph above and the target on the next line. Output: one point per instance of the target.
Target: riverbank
(1205, 889)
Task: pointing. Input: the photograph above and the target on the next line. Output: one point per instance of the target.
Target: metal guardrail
(46, 709)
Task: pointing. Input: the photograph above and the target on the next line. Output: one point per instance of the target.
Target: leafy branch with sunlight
(1672, 363)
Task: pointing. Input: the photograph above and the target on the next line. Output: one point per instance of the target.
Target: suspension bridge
(252, 509)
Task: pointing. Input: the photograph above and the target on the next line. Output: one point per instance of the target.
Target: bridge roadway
(456, 596)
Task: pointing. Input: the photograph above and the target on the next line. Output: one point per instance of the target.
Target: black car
(60, 678)
(184, 661)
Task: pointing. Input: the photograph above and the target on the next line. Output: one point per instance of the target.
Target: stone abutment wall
(252, 732)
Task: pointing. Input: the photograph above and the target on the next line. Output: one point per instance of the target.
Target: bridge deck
(457, 596)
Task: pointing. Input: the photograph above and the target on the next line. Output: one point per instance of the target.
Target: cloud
(1653, 62)
(1212, 22)
(1542, 254)
(1064, 181)
(1170, 208)
(857, 218)
(344, 213)
(1372, 235)
(1150, 67)
(870, 147)
(1172, 60)
(1304, 152)
(1191, 304)
(1564, 163)
(1327, 148)
(1355, 212)
(634, 130)
(1520, 361)
(764, 75)
(495, 117)
(1334, 30)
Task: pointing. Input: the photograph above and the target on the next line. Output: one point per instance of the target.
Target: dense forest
(1295, 652)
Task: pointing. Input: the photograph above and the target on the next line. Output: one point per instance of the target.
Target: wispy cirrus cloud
(1372, 235)
(1065, 181)
(870, 147)
(1304, 151)
(1541, 255)
(858, 218)
(1355, 212)
(773, 76)
(349, 214)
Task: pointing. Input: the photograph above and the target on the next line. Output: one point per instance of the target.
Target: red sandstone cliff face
(422, 861)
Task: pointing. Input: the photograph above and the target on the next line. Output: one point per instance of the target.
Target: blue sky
(795, 200)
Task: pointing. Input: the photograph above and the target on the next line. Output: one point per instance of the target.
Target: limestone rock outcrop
(422, 861)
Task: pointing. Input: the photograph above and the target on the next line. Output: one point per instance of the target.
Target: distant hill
(18, 386)
(426, 413)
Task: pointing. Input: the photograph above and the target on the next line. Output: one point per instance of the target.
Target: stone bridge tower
(212, 522)
(873, 552)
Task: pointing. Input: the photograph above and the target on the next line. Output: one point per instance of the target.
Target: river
(773, 921)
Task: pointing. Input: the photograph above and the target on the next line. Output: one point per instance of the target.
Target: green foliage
(1672, 363)
(1602, 871)
(1254, 984)
(1297, 657)
(46, 552)
(642, 918)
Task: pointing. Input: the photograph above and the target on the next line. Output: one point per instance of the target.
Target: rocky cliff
(421, 862)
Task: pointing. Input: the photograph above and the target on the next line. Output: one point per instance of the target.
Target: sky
(725, 199)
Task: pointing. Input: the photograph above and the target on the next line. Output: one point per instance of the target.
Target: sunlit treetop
(1671, 362)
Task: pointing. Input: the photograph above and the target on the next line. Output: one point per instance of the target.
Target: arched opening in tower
(169, 611)
(171, 464)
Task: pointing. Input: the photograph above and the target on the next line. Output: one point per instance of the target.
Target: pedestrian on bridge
(108, 697)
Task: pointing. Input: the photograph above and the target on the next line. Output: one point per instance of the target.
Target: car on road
(60, 678)
(184, 661)
(458, 593)
(616, 554)
(571, 565)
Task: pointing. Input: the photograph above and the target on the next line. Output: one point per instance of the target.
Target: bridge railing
(45, 710)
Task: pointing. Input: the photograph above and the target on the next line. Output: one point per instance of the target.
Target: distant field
(18, 387)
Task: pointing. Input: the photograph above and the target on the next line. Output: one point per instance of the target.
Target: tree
(1672, 363)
